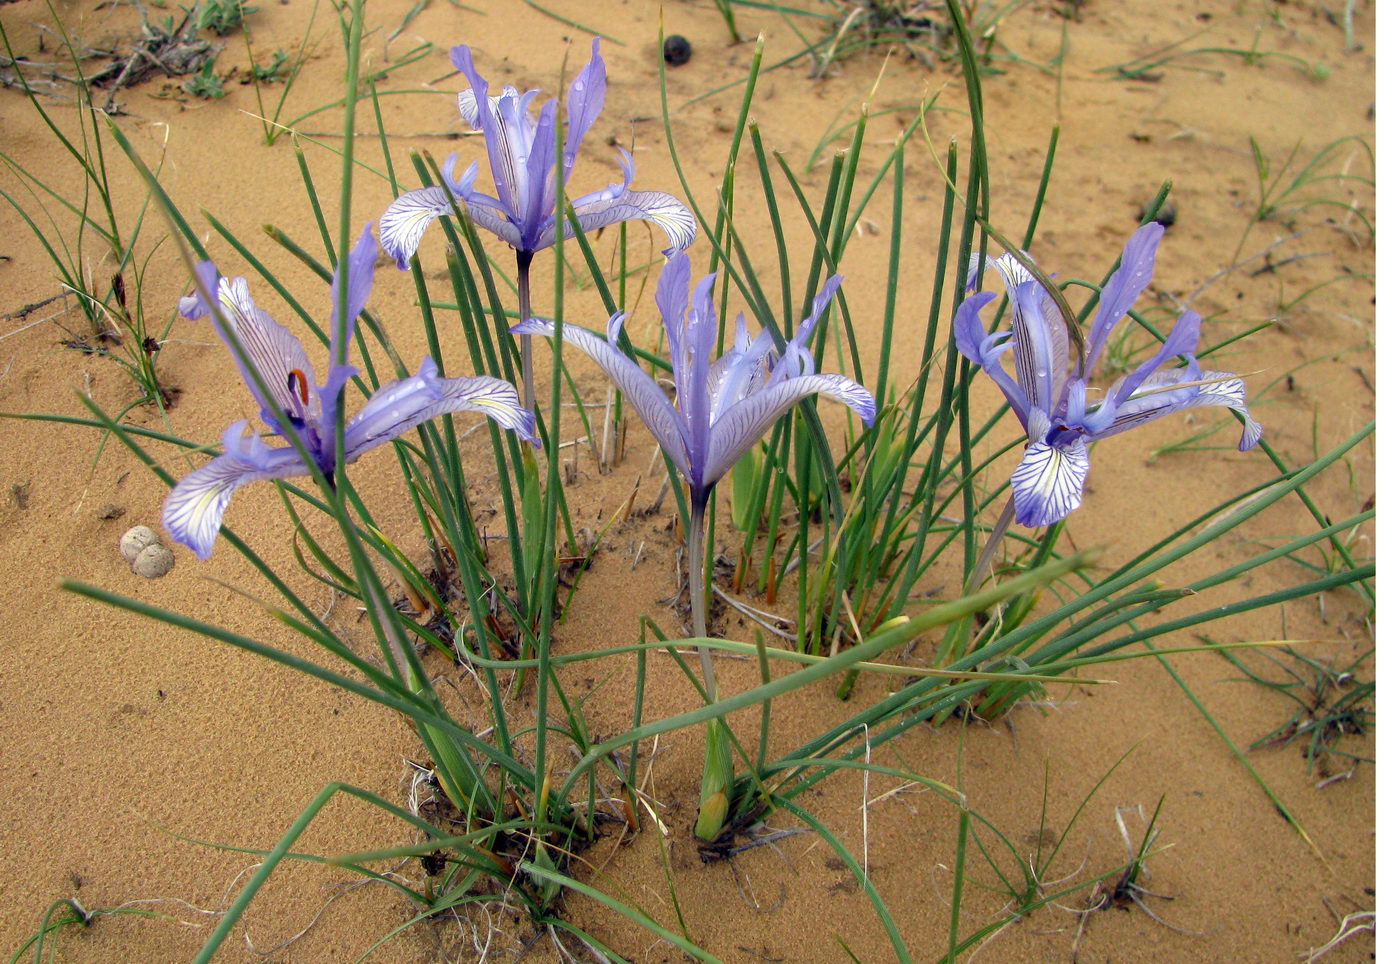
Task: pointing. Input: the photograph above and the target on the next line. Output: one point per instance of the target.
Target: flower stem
(984, 559)
(696, 545)
(527, 365)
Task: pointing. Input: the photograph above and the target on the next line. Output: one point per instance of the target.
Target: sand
(137, 757)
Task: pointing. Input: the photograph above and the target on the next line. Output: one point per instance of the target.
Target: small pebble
(111, 511)
(676, 50)
(154, 561)
(135, 539)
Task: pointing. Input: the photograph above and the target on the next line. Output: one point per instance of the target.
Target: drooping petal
(276, 354)
(408, 402)
(1157, 396)
(740, 428)
(194, 510)
(1122, 289)
(359, 279)
(402, 225)
(658, 207)
(651, 403)
(971, 337)
(585, 103)
(1049, 483)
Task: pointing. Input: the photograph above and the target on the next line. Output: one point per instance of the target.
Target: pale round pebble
(154, 561)
(135, 539)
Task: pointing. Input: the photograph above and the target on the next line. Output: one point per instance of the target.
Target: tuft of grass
(277, 69)
(221, 16)
(206, 84)
(99, 252)
(1329, 703)
(1127, 890)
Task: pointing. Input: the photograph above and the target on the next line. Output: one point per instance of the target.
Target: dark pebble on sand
(676, 50)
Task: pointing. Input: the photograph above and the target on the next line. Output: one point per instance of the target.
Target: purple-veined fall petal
(1049, 483)
(652, 405)
(739, 429)
(195, 508)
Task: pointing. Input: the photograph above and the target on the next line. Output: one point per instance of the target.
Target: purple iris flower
(722, 407)
(1050, 394)
(195, 508)
(520, 149)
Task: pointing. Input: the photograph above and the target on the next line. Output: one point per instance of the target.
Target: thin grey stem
(695, 543)
(984, 558)
(527, 364)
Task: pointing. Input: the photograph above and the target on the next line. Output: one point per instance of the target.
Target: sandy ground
(125, 743)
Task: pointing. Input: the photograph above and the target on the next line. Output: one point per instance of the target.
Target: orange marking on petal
(296, 382)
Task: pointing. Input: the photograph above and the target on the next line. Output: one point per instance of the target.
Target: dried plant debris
(166, 46)
(872, 24)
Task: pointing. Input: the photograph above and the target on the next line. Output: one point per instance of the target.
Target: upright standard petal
(1123, 288)
(651, 403)
(748, 420)
(487, 118)
(585, 102)
(1049, 483)
(359, 279)
(195, 508)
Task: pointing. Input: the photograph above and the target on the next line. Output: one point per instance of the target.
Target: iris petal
(1049, 483)
(585, 103)
(407, 403)
(402, 225)
(658, 207)
(194, 510)
(1132, 277)
(1201, 388)
(739, 429)
(359, 280)
(276, 354)
(651, 403)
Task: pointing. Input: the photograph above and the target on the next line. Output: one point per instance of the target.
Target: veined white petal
(408, 402)
(402, 225)
(194, 510)
(651, 403)
(658, 207)
(276, 354)
(1049, 483)
(739, 429)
